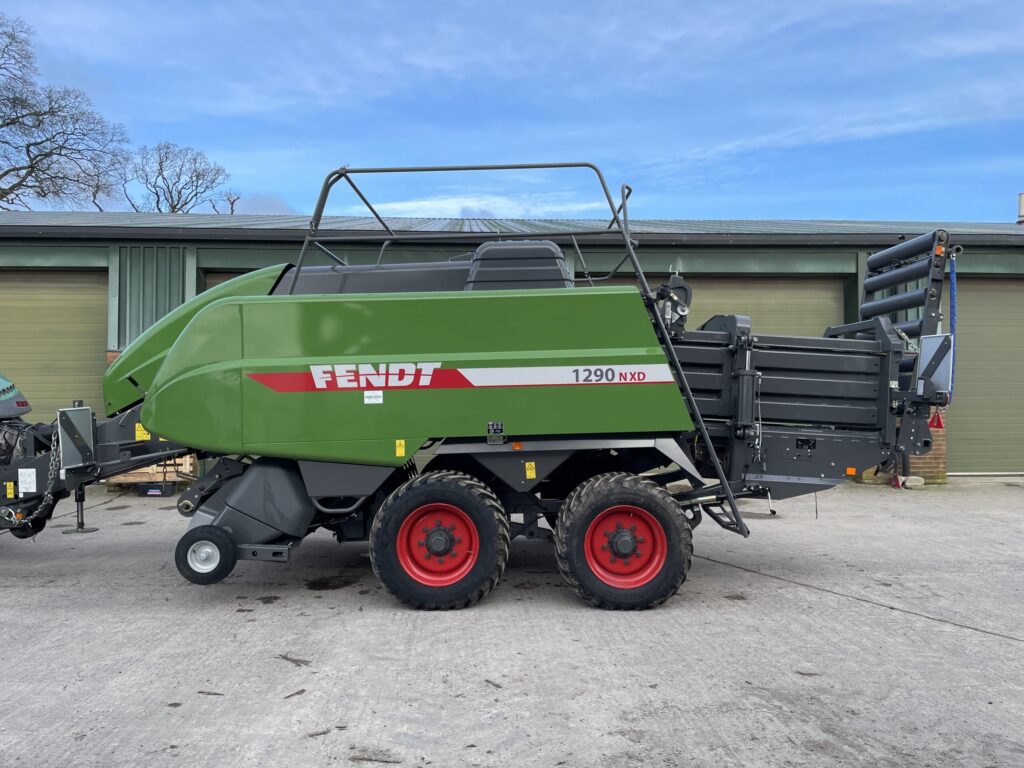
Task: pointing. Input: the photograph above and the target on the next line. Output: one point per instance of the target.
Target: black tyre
(205, 554)
(622, 542)
(28, 531)
(440, 541)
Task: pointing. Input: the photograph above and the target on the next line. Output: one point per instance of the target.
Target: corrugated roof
(64, 224)
(360, 223)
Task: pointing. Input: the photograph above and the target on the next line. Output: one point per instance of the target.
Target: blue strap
(952, 321)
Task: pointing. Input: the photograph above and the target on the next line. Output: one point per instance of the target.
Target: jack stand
(80, 514)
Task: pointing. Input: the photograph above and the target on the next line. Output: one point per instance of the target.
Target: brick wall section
(932, 466)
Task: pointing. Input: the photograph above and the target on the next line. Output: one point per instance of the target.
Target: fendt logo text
(370, 377)
(365, 376)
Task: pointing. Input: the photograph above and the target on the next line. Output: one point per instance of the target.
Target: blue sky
(874, 109)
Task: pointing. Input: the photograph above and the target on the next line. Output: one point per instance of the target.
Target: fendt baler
(439, 409)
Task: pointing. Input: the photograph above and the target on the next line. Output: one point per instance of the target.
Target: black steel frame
(617, 228)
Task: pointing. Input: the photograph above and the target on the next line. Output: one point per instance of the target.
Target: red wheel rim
(438, 544)
(625, 546)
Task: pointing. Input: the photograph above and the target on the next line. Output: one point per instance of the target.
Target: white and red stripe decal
(363, 377)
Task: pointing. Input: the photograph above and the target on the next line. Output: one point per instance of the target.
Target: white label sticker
(26, 481)
(373, 397)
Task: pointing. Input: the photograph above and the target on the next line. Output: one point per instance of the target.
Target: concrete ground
(888, 630)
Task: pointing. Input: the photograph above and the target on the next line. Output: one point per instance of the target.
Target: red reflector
(21, 403)
(935, 422)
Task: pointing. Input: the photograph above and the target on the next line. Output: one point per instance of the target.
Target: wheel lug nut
(625, 561)
(440, 559)
(458, 540)
(632, 528)
(427, 555)
(453, 554)
(422, 544)
(614, 558)
(637, 553)
(640, 540)
(426, 530)
(618, 526)
(604, 547)
(437, 523)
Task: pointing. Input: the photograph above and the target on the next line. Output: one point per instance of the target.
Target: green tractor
(440, 409)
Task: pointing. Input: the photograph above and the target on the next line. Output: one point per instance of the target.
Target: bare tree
(54, 146)
(229, 199)
(17, 62)
(173, 179)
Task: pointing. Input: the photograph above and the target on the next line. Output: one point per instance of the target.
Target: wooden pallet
(179, 470)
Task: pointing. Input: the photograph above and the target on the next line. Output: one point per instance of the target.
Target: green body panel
(204, 395)
(144, 356)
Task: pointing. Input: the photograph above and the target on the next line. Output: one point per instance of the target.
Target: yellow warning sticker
(9, 489)
(141, 433)
(399, 447)
(531, 469)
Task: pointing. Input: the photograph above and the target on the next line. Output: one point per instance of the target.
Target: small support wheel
(622, 542)
(205, 554)
(440, 541)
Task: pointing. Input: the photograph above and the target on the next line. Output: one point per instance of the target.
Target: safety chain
(51, 475)
(912, 347)
(48, 501)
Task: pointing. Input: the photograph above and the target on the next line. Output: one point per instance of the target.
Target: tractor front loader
(440, 409)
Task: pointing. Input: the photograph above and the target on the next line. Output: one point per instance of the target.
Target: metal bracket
(495, 432)
(203, 488)
(270, 553)
(77, 443)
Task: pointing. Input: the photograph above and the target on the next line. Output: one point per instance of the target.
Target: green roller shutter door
(799, 306)
(985, 424)
(55, 337)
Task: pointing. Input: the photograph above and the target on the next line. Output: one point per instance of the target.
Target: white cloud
(853, 119)
(234, 58)
(264, 203)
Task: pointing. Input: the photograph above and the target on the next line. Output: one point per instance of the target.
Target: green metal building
(77, 287)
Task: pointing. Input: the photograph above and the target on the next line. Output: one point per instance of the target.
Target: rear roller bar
(907, 300)
(913, 272)
(907, 250)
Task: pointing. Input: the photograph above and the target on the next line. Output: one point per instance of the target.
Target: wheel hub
(437, 544)
(622, 542)
(625, 546)
(203, 556)
(439, 541)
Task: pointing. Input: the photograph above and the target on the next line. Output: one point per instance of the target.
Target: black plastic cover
(272, 492)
